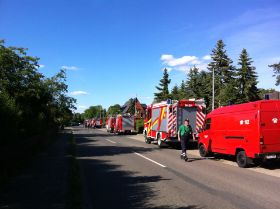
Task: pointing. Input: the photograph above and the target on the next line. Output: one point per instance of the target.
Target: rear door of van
(270, 127)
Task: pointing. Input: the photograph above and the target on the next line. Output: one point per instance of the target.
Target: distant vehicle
(163, 120)
(124, 124)
(98, 123)
(111, 121)
(249, 131)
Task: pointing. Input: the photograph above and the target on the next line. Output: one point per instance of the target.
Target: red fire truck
(91, 123)
(249, 131)
(98, 122)
(110, 124)
(163, 119)
(124, 124)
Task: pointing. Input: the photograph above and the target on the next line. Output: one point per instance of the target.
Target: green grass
(75, 188)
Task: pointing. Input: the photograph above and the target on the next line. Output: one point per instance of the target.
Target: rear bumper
(270, 155)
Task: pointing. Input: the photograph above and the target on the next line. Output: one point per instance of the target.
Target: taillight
(261, 140)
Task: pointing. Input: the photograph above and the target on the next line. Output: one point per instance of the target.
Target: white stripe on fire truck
(200, 116)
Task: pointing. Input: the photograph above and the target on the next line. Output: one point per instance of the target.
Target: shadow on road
(108, 185)
(267, 164)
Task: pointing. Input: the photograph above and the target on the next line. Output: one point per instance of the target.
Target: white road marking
(149, 159)
(110, 141)
(274, 173)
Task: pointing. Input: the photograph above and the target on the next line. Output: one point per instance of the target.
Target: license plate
(270, 157)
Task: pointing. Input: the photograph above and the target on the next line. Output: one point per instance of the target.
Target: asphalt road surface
(122, 172)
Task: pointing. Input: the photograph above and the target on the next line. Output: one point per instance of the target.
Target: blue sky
(115, 49)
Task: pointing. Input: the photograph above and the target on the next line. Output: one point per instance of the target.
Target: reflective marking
(149, 159)
(110, 141)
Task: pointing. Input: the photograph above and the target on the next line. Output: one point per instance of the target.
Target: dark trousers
(184, 142)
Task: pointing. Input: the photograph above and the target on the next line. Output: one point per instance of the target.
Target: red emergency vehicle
(163, 119)
(98, 122)
(249, 131)
(124, 124)
(91, 123)
(110, 124)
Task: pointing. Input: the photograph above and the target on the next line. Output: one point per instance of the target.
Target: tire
(159, 141)
(242, 159)
(202, 151)
(147, 140)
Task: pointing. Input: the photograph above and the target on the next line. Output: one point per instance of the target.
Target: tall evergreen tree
(163, 93)
(224, 74)
(175, 93)
(192, 83)
(182, 90)
(276, 72)
(247, 79)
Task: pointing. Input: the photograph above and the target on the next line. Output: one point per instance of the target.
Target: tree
(175, 93)
(247, 79)
(114, 109)
(163, 93)
(224, 73)
(30, 103)
(93, 111)
(193, 83)
(276, 72)
(182, 91)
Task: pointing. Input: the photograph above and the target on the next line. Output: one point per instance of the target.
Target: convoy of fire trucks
(249, 131)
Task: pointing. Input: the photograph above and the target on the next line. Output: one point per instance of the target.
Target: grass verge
(75, 188)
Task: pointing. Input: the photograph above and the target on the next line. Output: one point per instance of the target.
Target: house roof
(127, 105)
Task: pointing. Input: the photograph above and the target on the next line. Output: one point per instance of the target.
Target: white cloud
(207, 57)
(171, 61)
(69, 67)
(78, 93)
(184, 63)
(42, 66)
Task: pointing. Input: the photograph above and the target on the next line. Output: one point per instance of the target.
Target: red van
(249, 131)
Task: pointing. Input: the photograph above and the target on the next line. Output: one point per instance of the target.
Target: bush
(139, 125)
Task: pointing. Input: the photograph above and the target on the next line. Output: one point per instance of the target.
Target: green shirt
(183, 129)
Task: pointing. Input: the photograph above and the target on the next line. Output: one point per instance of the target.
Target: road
(123, 172)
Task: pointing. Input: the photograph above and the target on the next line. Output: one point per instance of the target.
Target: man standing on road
(184, 134)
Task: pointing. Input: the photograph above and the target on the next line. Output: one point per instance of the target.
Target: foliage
(182, 90)
(163, 92)
(78, 118)
(94, 111)
(247, 79)
(175, 93)
(31, 104)
(232, 85)
(224, 74)
(139, 125)
(276, 72)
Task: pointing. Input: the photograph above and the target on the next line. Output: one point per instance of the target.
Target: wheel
(147, 140)
(202, 151)
(159, 141)
(242, 159)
